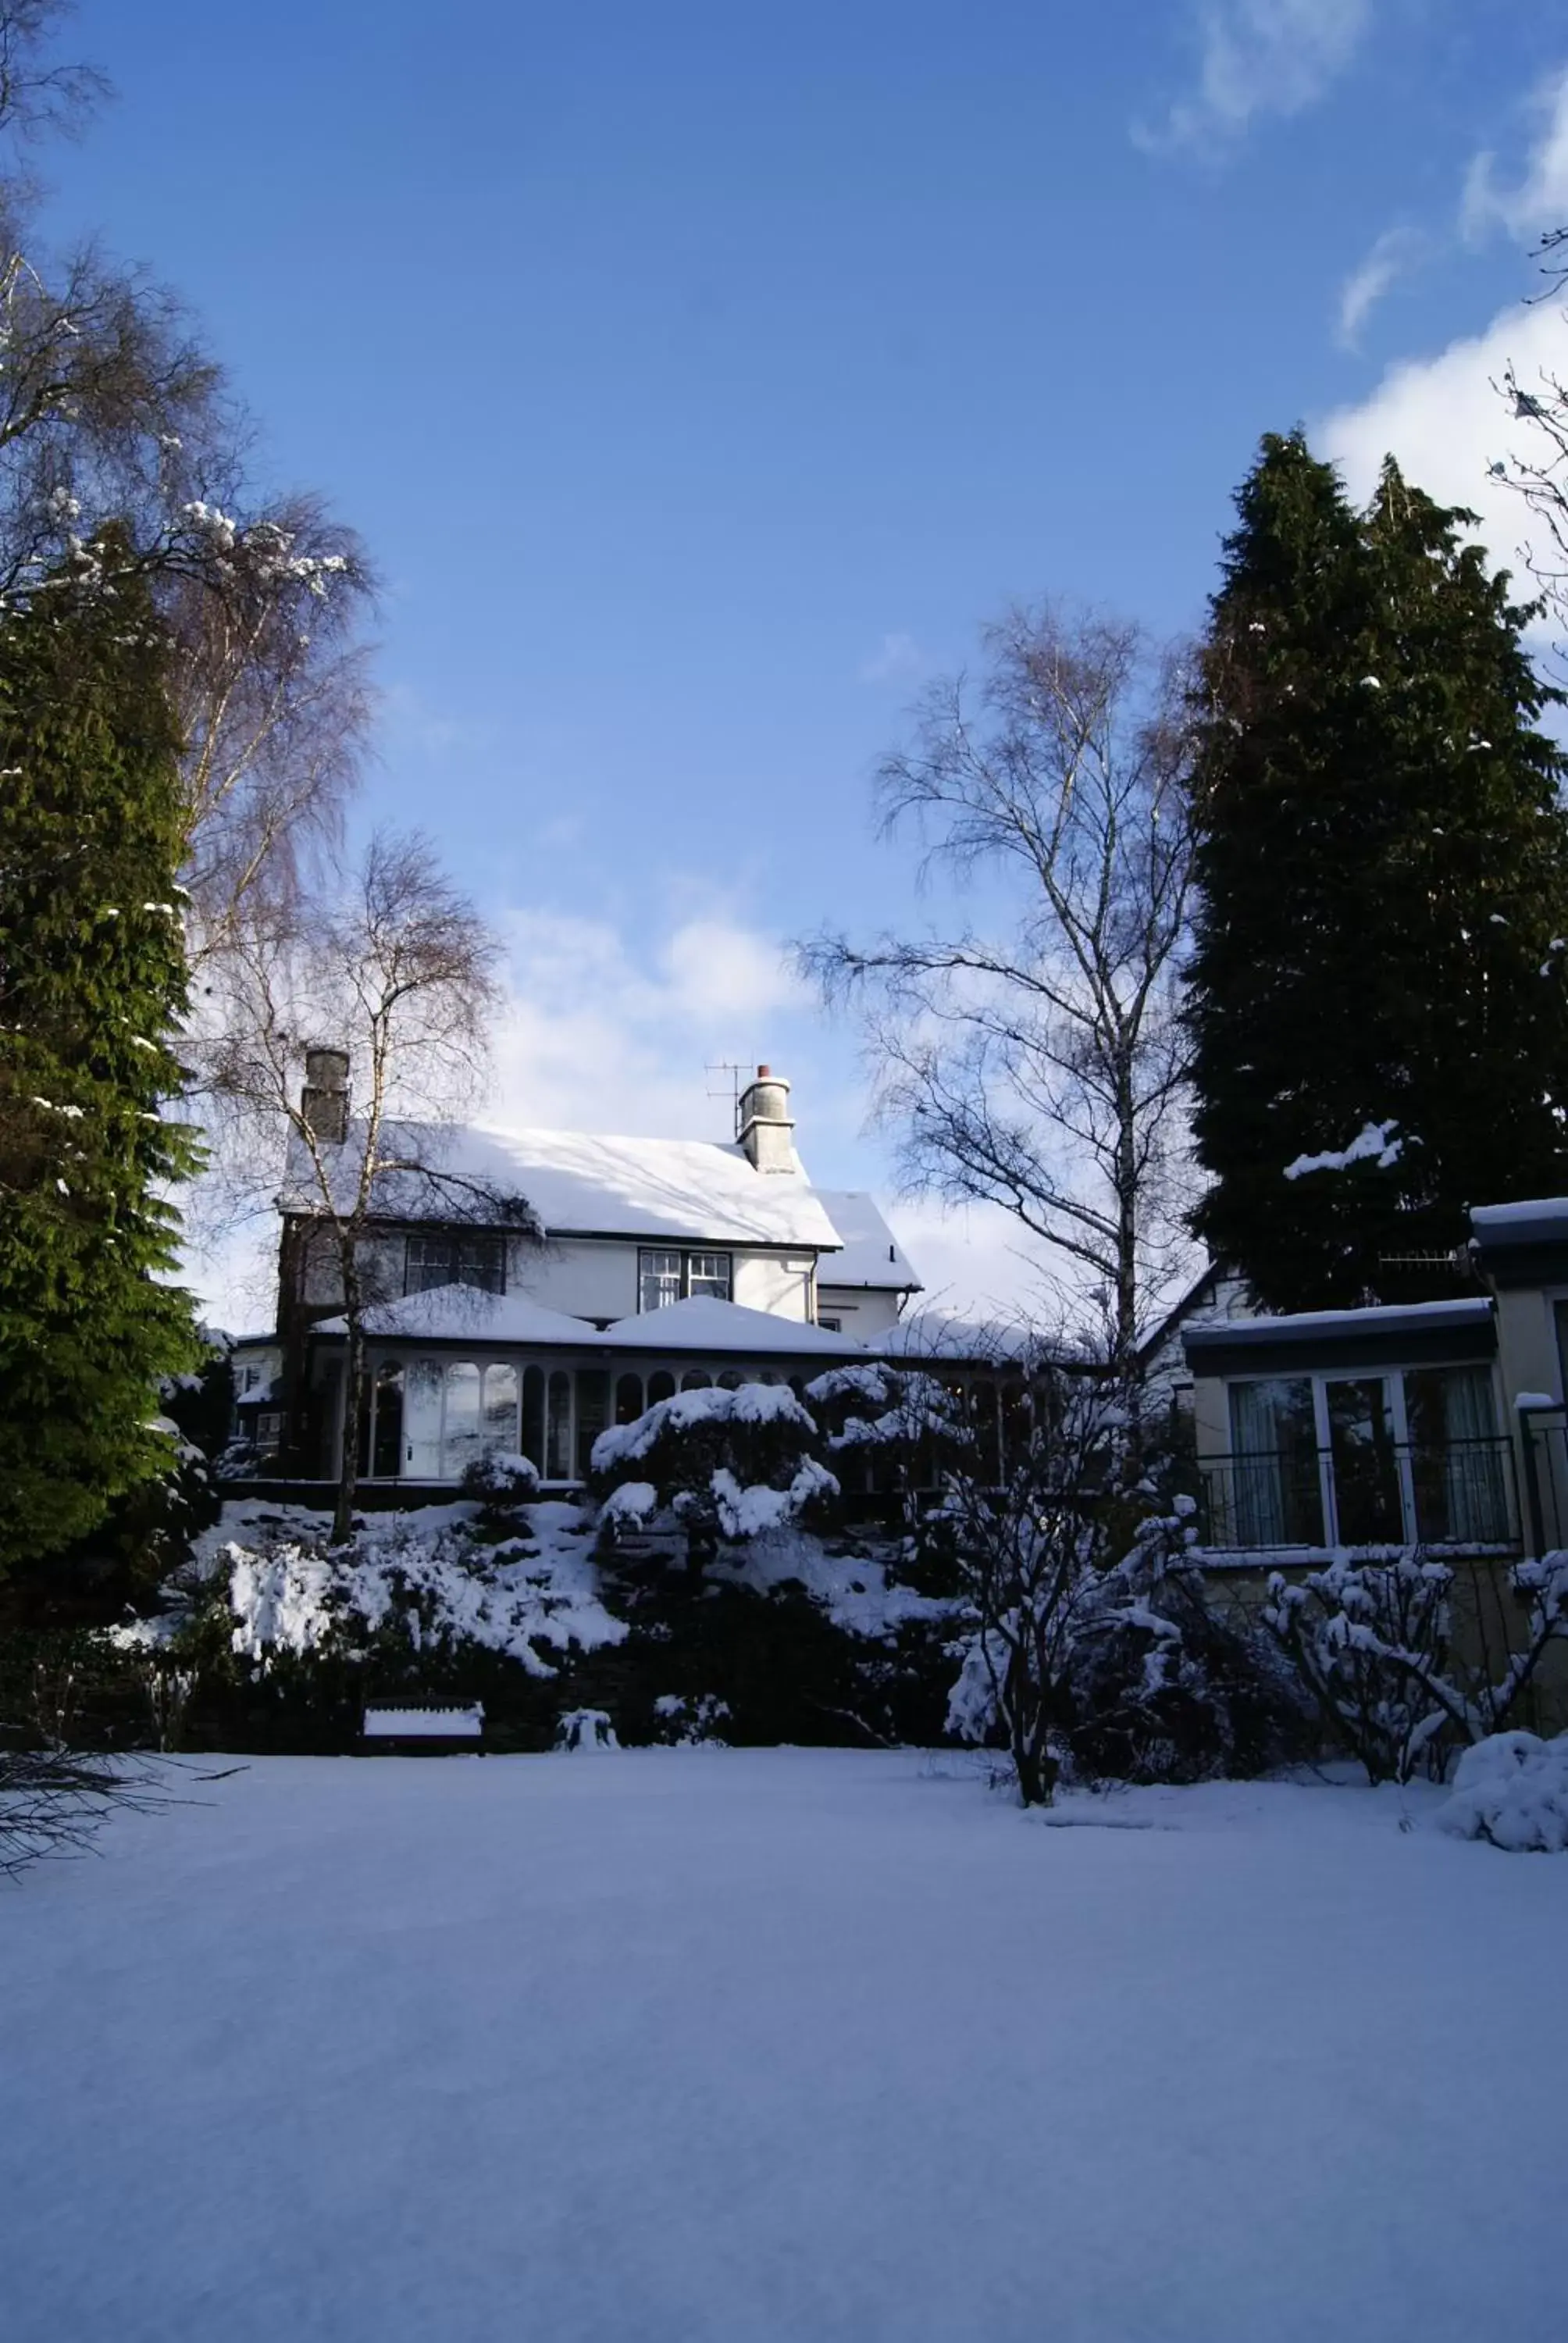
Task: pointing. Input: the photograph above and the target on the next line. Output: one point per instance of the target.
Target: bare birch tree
(1038, 1063)
(1541, 477)
(118, 431)
(398, 970)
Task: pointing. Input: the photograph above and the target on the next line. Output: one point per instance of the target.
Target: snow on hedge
(853, 1587)
(1511, 1790)
(287, 1596)
(773, 1403)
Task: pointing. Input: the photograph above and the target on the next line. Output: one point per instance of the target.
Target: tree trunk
(348, 1462)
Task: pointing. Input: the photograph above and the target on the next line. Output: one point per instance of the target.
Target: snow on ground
(733, 2047)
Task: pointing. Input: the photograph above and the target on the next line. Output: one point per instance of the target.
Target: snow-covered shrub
(1063, 1552)
(290, 1634)
(585, 1728)
(1199, 1697)
(725, 1465)
(690, 1723)
(889, 1429)
(502, 1485)
(1408, 1656)
(1511, 1790)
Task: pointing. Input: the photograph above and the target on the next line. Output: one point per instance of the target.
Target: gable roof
(581, 1183)
(443, 1314)
(463, 1313)
(700, 1323)
(872, 1256)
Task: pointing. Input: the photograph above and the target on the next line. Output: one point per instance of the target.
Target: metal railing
(1463, 1493)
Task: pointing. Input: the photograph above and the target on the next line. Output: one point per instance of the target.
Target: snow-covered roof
(1538, 1220)
(931, 1334)
(452, 1314)
(703, 1323)
(581, 1183)
(872, 1255)
(462, 1314)
(1395, 1318)
(1399, 1333)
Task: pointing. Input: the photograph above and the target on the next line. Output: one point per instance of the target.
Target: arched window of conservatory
(460, 1433)
(500, 1408)
(731, 1380)
(628, 1399)
(558, 1442)
(661, 1385)
(422, 1421)
(533, 1443)
(694, 1379)
(387, 1449)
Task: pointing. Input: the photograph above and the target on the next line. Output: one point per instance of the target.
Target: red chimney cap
(763, 1073)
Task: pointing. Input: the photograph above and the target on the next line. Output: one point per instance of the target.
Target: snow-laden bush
(585, 1728)
(1408, 1656)
(501, 1481)
(1511, 1790)
(1062, 1554)
(690, 1724)
(421, 1588)
(725, 1465)
(889, 1429)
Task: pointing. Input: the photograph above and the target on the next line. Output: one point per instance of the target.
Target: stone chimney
(767, 1131)
(325, 1101)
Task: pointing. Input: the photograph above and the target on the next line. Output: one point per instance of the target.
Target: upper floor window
(456, 1257)
(667, 1274)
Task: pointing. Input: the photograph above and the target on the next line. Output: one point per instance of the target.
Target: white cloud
(1441, 417)
(1259, 56)
(1538, 200)
(1364, 288)
(896, 655)
(596, 1038)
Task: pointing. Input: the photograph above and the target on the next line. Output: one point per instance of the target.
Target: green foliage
(725, 1463)
(1382, 864)
(91, 980)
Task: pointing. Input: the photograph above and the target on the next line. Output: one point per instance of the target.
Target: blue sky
(701, 377)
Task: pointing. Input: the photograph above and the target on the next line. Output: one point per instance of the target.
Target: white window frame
(686, 1256)
(1320, 1379)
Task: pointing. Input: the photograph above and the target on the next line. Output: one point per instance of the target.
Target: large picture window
(667, 1273)
(433, 1419)
(456, 1257)
(1275, 1494)
(1408, 1457)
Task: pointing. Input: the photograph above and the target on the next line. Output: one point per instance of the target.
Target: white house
(664, 1264)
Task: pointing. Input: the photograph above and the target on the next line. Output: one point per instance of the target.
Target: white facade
(659, 1263)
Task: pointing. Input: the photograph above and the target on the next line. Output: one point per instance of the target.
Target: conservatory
(454, 1374)
(1372, 1428)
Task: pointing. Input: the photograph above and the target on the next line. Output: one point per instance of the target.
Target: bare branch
(1041, 1068)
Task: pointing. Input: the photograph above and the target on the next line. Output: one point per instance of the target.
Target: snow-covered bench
(434, 1730)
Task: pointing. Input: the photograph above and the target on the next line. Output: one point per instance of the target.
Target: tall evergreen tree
(1378, 970)
(92, 982)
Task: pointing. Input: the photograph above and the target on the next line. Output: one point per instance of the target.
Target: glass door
(1363, 1461)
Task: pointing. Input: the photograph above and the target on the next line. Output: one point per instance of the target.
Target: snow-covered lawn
(681, 2044)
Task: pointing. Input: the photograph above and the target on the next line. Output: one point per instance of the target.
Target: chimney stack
(767, 1131)
(324, 1102)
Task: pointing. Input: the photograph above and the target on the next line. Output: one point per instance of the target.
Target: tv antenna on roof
(731, 1089)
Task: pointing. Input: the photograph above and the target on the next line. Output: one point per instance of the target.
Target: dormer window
(456, 1257)
(667, 1274)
